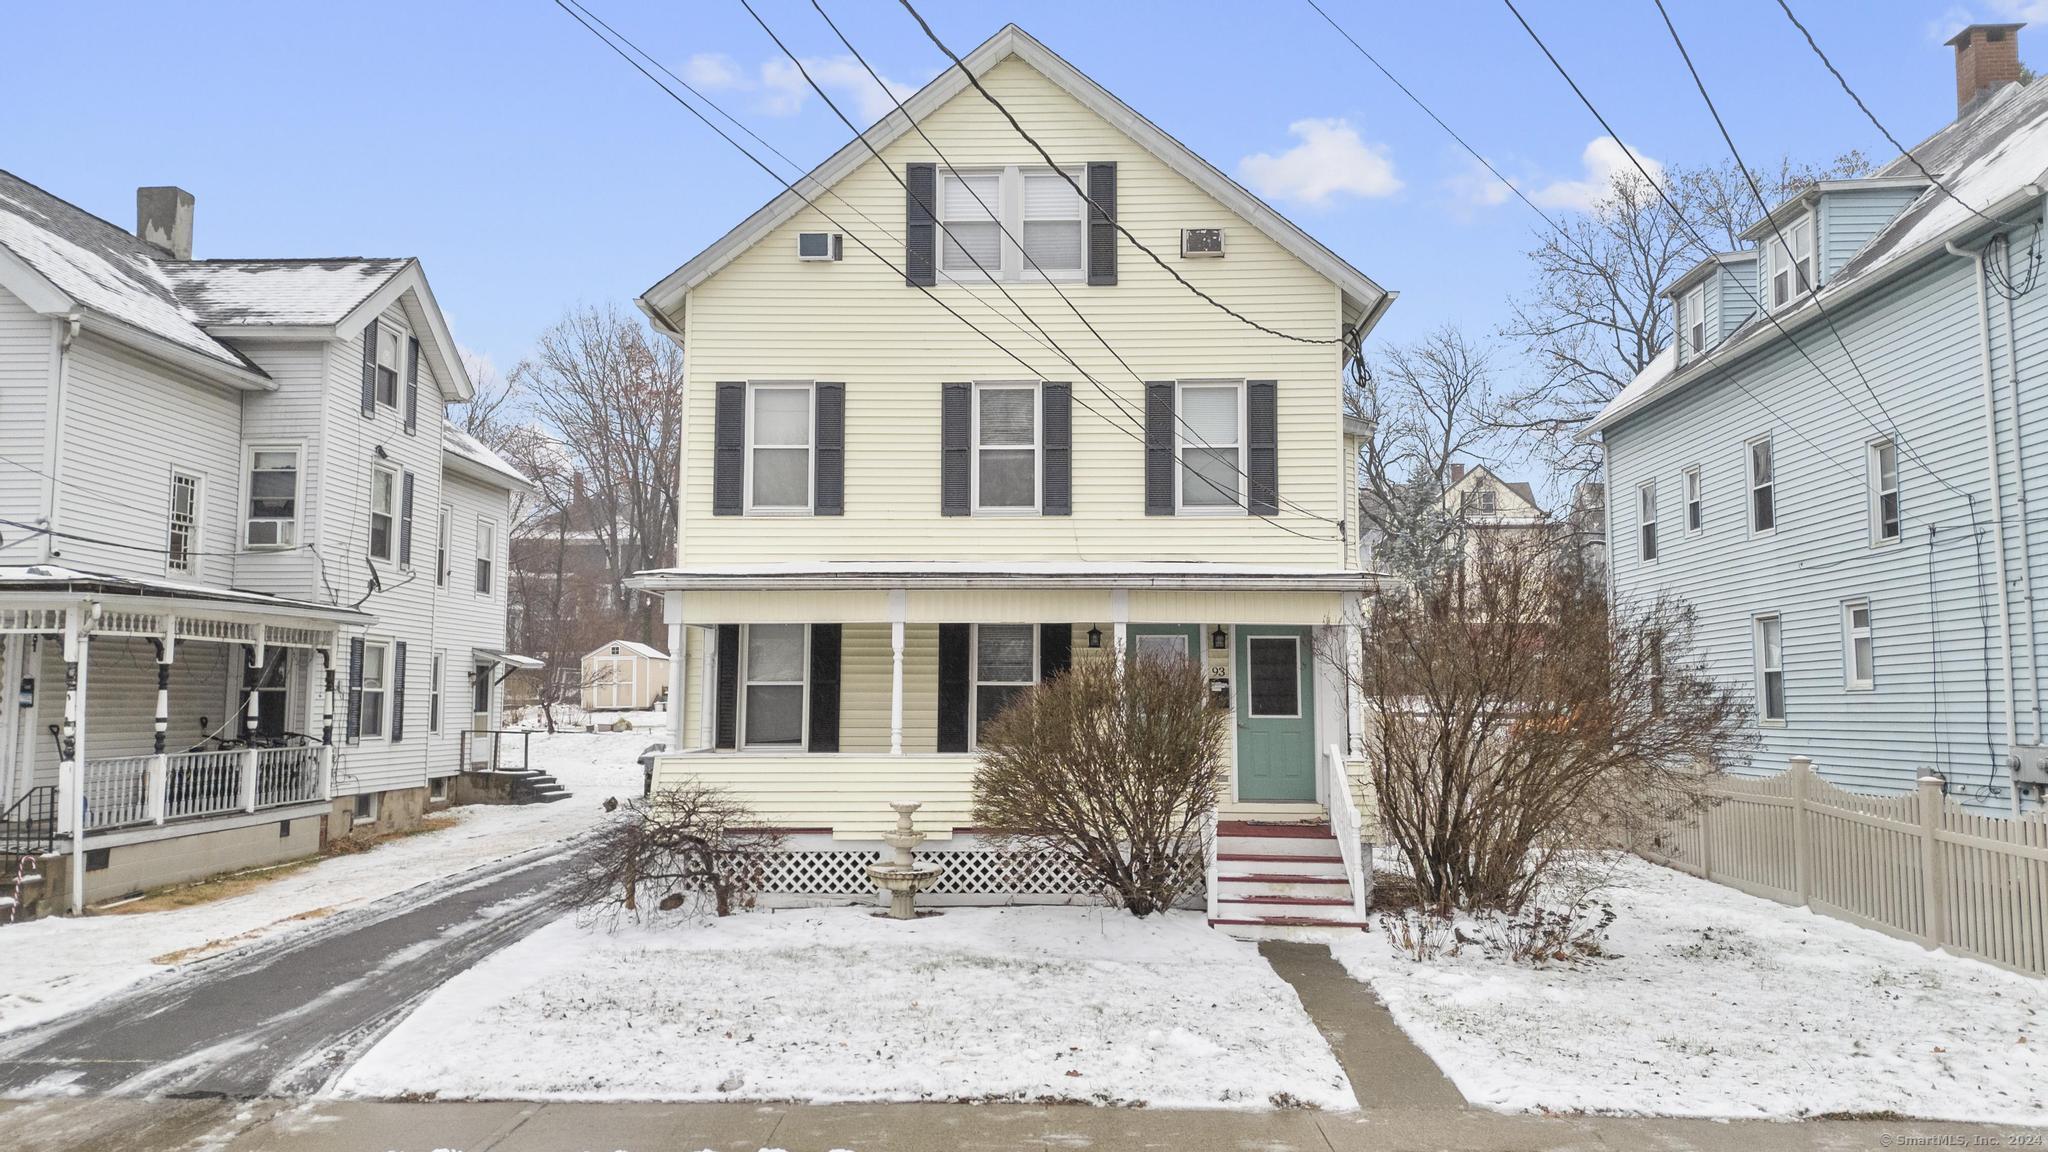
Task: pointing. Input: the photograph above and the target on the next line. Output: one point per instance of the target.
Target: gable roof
(473, 458)
(633, 646)
(1994, 159)
(226, 293)
(665, 298)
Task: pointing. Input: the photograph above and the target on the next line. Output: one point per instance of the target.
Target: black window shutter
(1058, 497)
(954, 690)
(955, 454)
(405, 522)
(355, 690)
(398, 692)
(729, 450)
(1055, 650)
(920, 235)
(1102, 224)
(370, 369)
(412, 385)
(1262, 452)
(824, 688)
(1159, 448)
(726, 724)
(830, 497)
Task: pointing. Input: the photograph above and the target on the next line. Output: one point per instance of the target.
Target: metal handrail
(466, 745)
(1345, 825)
(29, 826)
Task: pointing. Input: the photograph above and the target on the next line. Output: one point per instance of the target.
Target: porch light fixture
(1094, 637)
(1219, 640)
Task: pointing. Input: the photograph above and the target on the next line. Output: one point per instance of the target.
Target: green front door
(1276, 720)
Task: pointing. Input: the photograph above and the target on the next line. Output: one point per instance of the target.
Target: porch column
(678, 655)
(899, 610)
(327, 717)
(157, 781)
(71, 741)
(251, 661)
(707, 702)
(1119, 622)
(1354, 672)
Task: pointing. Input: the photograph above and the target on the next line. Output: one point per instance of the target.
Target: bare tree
(692, 843)
(1596, 315)
(1115, 770)
(1520, 718)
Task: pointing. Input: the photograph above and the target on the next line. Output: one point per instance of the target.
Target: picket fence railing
(1918, 866)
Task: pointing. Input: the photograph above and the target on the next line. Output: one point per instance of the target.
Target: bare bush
(1116, 772)
(689, 847)
(1520, 719)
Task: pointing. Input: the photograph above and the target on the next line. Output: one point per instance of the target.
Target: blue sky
(532, 171)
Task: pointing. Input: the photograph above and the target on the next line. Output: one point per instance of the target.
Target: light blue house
(1835, 463)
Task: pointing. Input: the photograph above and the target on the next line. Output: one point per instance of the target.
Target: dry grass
(355, 843)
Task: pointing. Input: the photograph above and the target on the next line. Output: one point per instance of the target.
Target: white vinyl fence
(1917, 866)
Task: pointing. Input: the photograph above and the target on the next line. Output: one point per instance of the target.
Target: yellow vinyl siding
(864, 669)
(768, 316)
(847, 793)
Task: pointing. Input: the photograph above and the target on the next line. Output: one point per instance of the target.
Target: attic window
(387, 365)
(1693, 321)
(1791, 262)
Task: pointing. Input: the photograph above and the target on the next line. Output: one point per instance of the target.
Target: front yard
(1716, 1003)
(822, 1005)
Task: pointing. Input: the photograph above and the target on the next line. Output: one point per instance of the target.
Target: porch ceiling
(920, 605)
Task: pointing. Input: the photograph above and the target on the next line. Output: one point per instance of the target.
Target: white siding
(28, 356)
(464, 619)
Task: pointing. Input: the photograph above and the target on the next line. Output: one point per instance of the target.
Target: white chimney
(163, 220)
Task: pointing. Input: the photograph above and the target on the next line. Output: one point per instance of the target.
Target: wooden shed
(623, 676)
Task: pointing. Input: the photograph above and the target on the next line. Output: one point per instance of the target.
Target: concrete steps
(1281, 882)
(535, 787)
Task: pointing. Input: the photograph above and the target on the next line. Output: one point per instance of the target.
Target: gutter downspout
(71, 322)
(1990, 391)
(2019, 465)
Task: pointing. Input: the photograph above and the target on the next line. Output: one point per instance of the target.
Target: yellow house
(958, 418)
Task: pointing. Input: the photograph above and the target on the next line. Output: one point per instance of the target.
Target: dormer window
(1692, 321)
(1791, 262)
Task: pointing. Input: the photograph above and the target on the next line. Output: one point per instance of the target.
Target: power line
(1083, 193)
(571, 8)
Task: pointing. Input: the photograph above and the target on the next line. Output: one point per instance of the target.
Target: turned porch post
(71, 739)
(157, 782)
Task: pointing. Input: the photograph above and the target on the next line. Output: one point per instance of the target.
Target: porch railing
(489, 750)
(1346, 826)
(288, 775)
(116, 792)
(203, 783)
(29, 826)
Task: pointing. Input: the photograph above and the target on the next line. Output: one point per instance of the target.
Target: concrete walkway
(164, 1125)
(1386, 1068)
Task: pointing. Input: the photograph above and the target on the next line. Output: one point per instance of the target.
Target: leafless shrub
(1114, 771)
(1538, 936)
(691, 847)
(1421, 934)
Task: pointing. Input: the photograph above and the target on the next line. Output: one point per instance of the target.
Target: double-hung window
(775, 661)
(779, 448)
(1770, 670)
(486, 555)
(1692, 321)
(1052, 232)
(1211, 440)
(1882, 463)
(1646, 520)
(1763, 500)
(389, 347)
(1695, 515)
(1859, 657)
(181, 552)
(1012, 223)
(1791, 262)
(383, 512)
(1005, 666)
(441, 541)
(434, 677)
(273, 519)
(1006, 458)
(375, 680)
(970, 211)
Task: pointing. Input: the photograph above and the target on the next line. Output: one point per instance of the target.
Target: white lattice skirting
(968, 872)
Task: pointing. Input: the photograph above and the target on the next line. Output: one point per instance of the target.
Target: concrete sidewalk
(128, 1125)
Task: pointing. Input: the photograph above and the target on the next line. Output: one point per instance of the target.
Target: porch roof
(983, 574)
(42, 583)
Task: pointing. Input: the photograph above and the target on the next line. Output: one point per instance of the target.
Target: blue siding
(1938, 696)
(1848, 219)
(1739, 293)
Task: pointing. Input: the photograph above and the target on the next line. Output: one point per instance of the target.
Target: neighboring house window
(1763, 501)
(1770, 670)
(434, 694)
(1489, 500)
(486, 553)
(389, 346)
(1039, 208)
(1005, 665)
(779, 457)
(1005, 447)
(437, 788)
(773, 709)
(1646, 520)
(180, 554)
(1859, 657)
(1791, 262)
(383, 512)
(273, 498)
(1052, 225)
(442, 532)
(366, 807)
(374, 680)
(1883, 464)
(1211, 446)
(1695, 517)
(1693, 321)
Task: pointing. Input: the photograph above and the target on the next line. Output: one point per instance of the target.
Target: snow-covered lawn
(1716, 1003)
(838, 1005)
(58, 964)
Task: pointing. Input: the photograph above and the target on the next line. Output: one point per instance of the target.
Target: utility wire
(570, 7)
(1083, 193)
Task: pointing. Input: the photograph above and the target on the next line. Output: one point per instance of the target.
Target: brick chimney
(1987, 59)
(1457, 473)
(163, 220)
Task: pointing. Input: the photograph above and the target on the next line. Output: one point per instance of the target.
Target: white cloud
(1604, 159)
(1331, 160)
(713, 70)
(779, 89)
(1476, 187)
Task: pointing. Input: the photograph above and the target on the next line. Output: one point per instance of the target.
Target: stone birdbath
(903, 878)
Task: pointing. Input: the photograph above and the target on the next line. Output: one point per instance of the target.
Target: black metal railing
(29, 826)
(486, 750)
